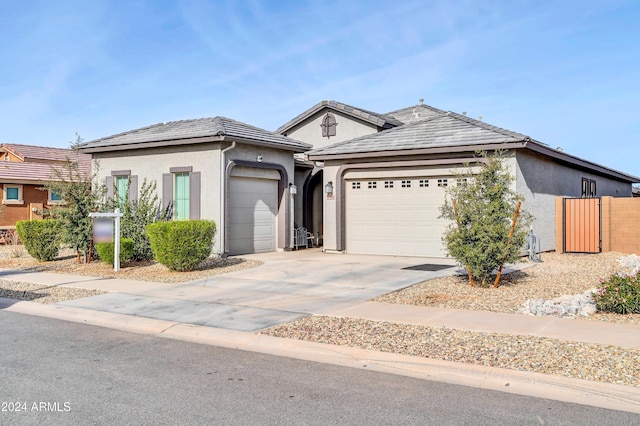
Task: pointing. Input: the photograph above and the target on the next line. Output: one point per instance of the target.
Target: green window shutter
(181, 196)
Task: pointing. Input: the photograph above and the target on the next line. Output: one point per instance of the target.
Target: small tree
(81, 195)
(136, 215)
(481, 210)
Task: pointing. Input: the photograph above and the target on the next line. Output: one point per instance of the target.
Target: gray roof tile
(415, 113)
(194, 129)
(380, 120)
(441, 130)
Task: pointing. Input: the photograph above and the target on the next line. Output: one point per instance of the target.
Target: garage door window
(388, 184)
(406, 184)
(372, 185)
(355, 185)
(443, 183)
(424, 183)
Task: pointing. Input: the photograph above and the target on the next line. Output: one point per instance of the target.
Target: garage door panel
(253, 211)
(395, 220)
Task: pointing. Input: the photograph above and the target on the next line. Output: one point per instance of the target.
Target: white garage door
(396, 216)
(253, 207)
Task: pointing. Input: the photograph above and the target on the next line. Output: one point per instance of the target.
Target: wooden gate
(582, 225)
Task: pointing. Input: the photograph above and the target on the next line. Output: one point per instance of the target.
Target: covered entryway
(253, 208)
(395, 215)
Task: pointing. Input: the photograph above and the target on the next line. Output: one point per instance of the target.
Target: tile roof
(415, 113)
(169, 132)
(380, 120)
(14, 171)
(33, 152)
(441, 130)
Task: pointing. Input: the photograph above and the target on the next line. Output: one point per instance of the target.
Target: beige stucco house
(364, 182)
(373, 183)
(211, 168)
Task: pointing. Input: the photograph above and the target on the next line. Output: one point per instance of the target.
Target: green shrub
(41, 238)
(181, 245)
(106, 254)
(619, 294)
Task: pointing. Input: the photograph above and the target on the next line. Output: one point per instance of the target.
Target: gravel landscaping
(559, 275)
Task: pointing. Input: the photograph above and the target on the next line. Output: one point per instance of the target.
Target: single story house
(24, 169)
(210, 168)
(374, 183)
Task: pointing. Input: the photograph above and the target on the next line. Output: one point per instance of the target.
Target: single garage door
(253, 207)
(396, 216)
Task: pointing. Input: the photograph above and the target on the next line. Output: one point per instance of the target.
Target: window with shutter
(328, 125)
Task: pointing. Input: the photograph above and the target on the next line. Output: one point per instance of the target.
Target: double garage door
(253, 207)
(396, 216)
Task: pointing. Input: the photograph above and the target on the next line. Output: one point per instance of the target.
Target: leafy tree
(82, 195)
(136, 215)
(481, 210)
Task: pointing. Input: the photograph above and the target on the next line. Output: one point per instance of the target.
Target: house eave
(421, 151)
(188, 141)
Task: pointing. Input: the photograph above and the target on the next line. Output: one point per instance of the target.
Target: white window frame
(20, 199)
(51, 201)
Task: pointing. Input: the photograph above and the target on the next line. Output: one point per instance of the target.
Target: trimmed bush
(181, 245)
(41, 238)
(619, 294)
(106, 254)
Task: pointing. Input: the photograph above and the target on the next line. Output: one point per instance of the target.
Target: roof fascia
(152, 144)
(584, 164)
(189, 141)
(423, 151)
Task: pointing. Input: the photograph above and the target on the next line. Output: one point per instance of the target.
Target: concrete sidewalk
(190, 311)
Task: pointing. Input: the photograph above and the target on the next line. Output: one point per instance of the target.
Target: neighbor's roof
(380, 120)
(200, 130)
(35, 153)
(445, 133)
(33, 172)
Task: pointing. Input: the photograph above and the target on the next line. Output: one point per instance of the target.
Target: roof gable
(379, 120)
(192, 131)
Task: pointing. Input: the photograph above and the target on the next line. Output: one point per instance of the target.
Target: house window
(181, 196)
(54, 198)
(121, 189)
(328, 125)
(588, 188)
(355, 185)
(406, 184)
(388, 184)
(443, 183)
(11, 194)
(424, 183)
(372, 185)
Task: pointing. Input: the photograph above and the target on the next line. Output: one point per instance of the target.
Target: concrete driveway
(289, 285)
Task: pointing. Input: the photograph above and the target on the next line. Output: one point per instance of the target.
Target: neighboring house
(375, 182)
(211, 168)
(24, 169)
(636, 191)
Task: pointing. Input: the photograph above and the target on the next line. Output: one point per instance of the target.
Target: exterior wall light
(293, 190)
(328, 188)
(259, 158)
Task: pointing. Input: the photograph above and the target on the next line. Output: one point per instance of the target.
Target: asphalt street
(57, 372)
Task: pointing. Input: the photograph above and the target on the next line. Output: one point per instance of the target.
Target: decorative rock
(563, 306)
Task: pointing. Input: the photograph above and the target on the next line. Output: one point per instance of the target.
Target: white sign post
(116, 215)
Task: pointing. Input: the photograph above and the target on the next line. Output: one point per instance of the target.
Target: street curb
(603, 395)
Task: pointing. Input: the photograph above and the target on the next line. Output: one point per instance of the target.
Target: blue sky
(566, 73)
